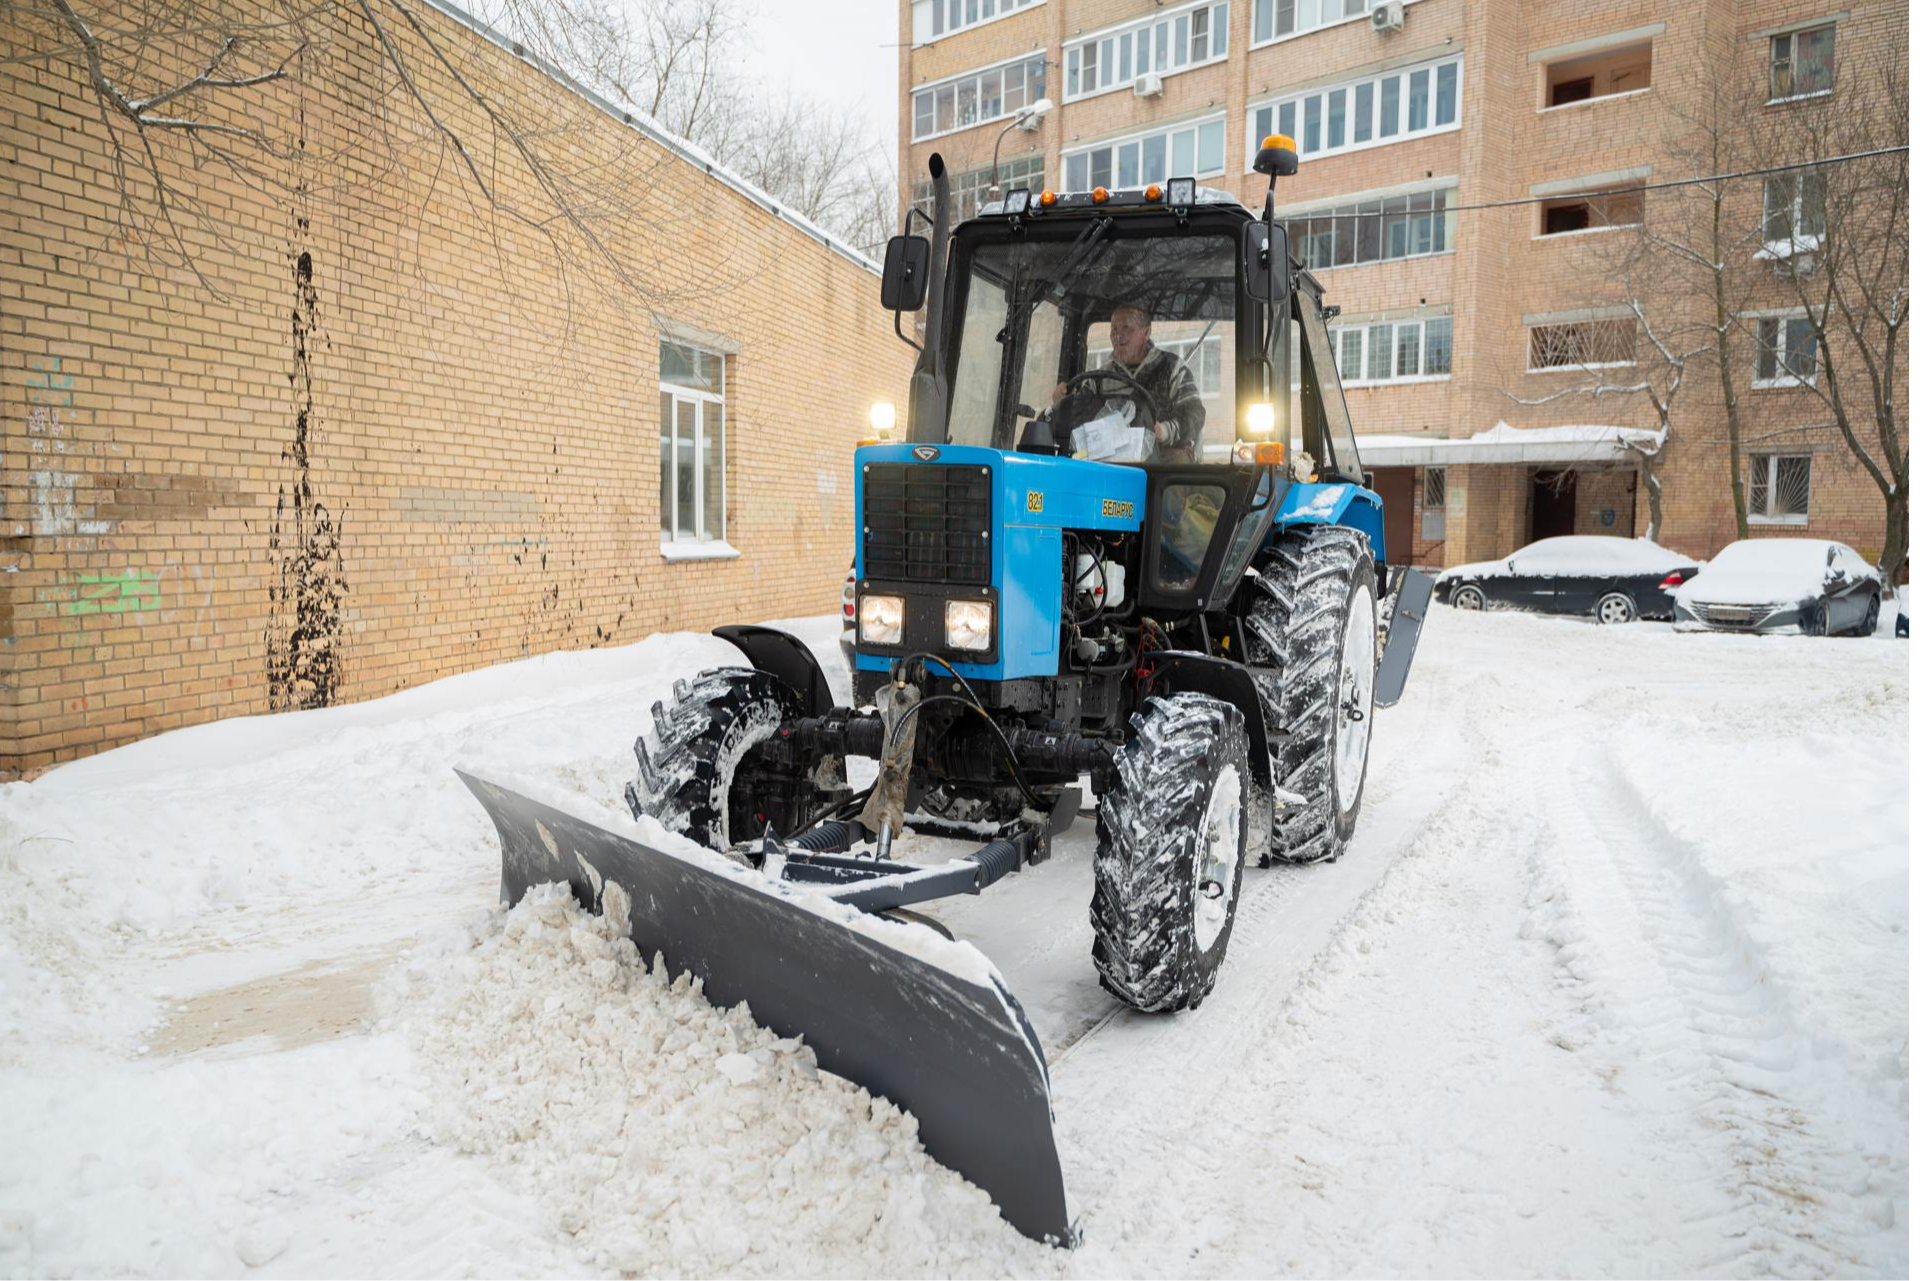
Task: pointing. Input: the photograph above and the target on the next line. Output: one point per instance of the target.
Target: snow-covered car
(1614, 580)
(1782, 586)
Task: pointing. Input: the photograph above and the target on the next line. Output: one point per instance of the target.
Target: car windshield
(1158, 308)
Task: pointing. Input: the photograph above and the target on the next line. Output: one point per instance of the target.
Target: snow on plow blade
(951, 1048)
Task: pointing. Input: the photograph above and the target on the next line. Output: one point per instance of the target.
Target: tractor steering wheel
(1159, 412)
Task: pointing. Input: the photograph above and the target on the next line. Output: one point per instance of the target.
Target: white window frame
(1771, 462)
(1801, 241)
(1369, 334)
(1296, 101)
(709, 405)
(1148, 53)
(1777, 347)
(922, 17)
(1168, 133)
(1295, 218)
(1579, 366)
(1258, 7)
(1771, 62)
(1180, 348)
(954, 83)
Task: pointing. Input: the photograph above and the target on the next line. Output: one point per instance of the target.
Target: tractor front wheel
(1170, 834)
(711, 778)
(1315, 662)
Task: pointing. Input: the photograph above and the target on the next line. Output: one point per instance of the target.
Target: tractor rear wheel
(1170, 834)
(1313, 622)
(713, 781)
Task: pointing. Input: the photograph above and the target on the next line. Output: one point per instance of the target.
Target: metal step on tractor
(1127, 547)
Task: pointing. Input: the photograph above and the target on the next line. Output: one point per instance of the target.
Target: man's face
(1129, 335)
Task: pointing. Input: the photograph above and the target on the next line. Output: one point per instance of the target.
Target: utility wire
(1562, 196)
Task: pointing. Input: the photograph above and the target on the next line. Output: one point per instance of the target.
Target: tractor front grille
(926, 523)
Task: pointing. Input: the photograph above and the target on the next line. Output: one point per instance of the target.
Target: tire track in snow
(1662, 971)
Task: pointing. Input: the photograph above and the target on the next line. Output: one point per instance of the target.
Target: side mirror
(1261, 263)
(905, 273)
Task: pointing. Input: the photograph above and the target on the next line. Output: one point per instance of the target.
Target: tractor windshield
(1126, 333)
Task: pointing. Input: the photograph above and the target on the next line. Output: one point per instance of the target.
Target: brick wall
(398, 431)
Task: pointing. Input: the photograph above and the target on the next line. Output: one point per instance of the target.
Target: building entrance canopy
(1576, 443)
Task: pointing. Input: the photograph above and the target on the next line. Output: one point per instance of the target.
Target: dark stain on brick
(305, 589)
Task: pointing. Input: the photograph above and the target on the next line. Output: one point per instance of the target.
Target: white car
(1782, 586)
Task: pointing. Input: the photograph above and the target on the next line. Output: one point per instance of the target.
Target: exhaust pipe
(929, 388)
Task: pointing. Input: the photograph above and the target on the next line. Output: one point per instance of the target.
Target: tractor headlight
(1260, 419)
(969, 624)
(879, 620)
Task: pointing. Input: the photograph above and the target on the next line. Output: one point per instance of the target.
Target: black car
(1614, 580)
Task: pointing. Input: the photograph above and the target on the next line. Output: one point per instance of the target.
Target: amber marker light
(1100, 195)
(1047, 199)
(1152, 193)
(1280, 141)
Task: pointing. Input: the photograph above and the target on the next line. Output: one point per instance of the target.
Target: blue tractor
(1128, 548)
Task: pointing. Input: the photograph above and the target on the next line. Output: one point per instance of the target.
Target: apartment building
(1471, 339)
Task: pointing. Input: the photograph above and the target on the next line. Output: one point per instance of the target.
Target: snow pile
(668, 1137)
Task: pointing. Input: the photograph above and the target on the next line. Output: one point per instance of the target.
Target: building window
(1593, 213)
(1410, 103)
(1382, 230)
(1626, 69)
(1794, 212)
(1164, 45)
(1206, 366)
(968, 192)
(1403, 351)
(1282, 19)
(1431, 505)
(1584, 344)
(1787, 352)
(1802, 62)
(694, 445)
(934, 19)
(1780, 489)
(1190, 150)
(977, 98)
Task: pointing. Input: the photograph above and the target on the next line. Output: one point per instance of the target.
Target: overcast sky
(838, 50)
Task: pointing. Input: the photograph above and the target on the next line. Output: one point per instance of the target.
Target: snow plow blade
(952, 1049)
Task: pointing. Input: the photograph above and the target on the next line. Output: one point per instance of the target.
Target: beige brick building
(349, 417)
(1452, 322)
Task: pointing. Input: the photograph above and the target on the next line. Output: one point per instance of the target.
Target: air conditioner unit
(1388, 16)
(1148, 85)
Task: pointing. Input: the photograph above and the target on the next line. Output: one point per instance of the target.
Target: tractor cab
(1154, 328)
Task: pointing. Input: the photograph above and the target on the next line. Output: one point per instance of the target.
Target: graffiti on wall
(129, 591)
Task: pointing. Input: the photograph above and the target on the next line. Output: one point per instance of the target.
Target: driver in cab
(1168, 382)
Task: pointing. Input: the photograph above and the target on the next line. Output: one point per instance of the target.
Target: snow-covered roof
(656, 132)
(1503, 443)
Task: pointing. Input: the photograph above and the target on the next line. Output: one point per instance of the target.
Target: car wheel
(1467, 597)
(1870, 626)
(1615, 607)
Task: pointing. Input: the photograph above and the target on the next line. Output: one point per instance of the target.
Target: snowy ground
(1613, 981)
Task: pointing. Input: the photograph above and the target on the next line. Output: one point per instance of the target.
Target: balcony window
(977, 98)
(934, 19)
(1409, 103)
(1794, 213)
(1282, 19)
(1626, 69)
(1802, 62)
(1192, 150)
(1168, 43)
(1369, 231)
(1403, 352)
